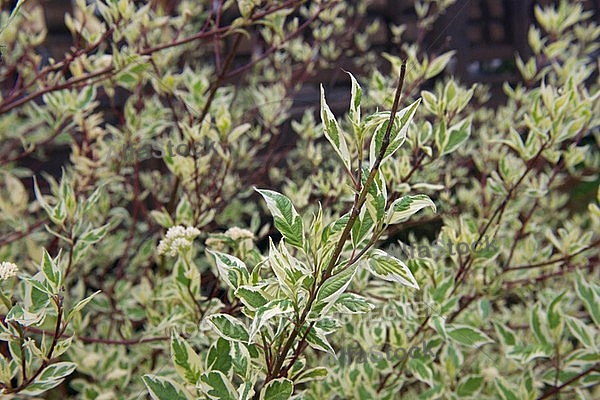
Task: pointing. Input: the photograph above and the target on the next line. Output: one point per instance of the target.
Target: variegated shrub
(424, 245)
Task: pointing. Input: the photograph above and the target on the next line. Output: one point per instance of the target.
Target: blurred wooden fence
(485, 33)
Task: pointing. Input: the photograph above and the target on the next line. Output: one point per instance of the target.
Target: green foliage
(246, 268)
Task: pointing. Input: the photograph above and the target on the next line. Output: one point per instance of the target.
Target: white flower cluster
(178, 238)
(236, 233)
(7, 270)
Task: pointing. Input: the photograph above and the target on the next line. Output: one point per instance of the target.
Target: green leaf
(505, 392)
(555, 319)
(583, 332)
(59, 213)
(468, 335)
(333, 231)
(331, 290)
(39, 282)
(187, 362)
(389, 268)
(51, 271)
(535, 318)
(229, 328)
(233, 270)
(93, 198)
(350, 303)
(164, 388)
(138, 64)
(184, 213)
(400, 126)
(24, 317)
(362, 228)
(247, 6)
(438, 64)
(217, 386)
(588, 293)
(82, 303)
(13, 14)
(277, 389)
(94, 235)
(435, 392)
(67, 194)
(270, 310)
(526, 354)
(312, 374)
(219, 356)
(430, 101)
(188, 278)
(37, 294)
(126, 79)
(455, 136)
(355, 99)
(441, 136)
(507, 336)
(421, 371)
(287, 219)
(334, 133)
(240, 358)
(162, 218)
(288, 270)
(62, 346)
(376, 197)
(252, 297)
(469, 386)
(246, 391)
(404, 207)
(86, 96)
(450, 91)
(317, 340)
(50, 377)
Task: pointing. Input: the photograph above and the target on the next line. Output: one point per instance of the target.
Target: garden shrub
(207, 236)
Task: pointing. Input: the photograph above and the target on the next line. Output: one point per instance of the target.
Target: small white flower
(7, 270)
(178, 238)
(236, 233)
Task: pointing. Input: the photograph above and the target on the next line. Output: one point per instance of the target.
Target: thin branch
(556, 260)
(595, 367)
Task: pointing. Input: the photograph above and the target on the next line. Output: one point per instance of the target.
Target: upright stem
(365, 190)
(356, 207)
